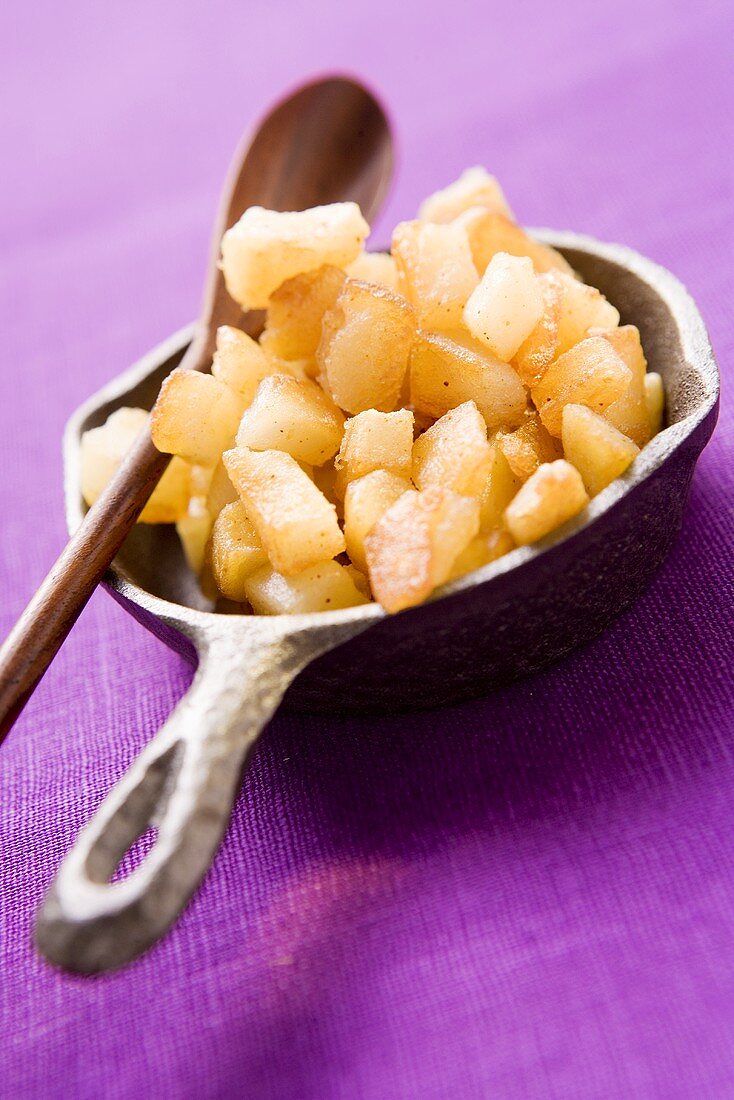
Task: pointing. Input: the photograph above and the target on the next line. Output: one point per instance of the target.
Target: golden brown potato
(265, 248)
(296, 311)
(327, 586)
(295, 522)
(294, 416)
(506, 306)
(474, 188)
(590, 374)
(375, 441)
(444, 374)
(221, 491)
(595, 447)
(582, 308)
(481, 551)
(550, 497)
(498, 490)
(364, 349)
(528, 447)
(239, 362)
(235, 551)
(490, 232)
(454, 453)
(540, 348)
(655, 401)
(193, 530)
(366, 500)
(195, 417)
(629, 412)
(374, 267)
(411, 549)
(436, 271)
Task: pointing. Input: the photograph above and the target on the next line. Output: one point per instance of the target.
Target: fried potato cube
(445, 373)
(595, 447)
(239, 362)
(221, 491)
(590, 374)
(235, 551)
(294, 416)
(102, 452)
(361, 581)
(436, 271)
(296, 310)
(196, 417)
(540, 348)
(265, 248)
(506, 306)
(582, 308)
(490, 233)
(454, 453)
(497, 492)
(411, 549)
(528, 447)
(655, 401)
(550, 497)
(374, 267)
(629, 412)
(294, 521)
(364, 348)
(193, 530)
(481, 551)
(327, 586)
(366, 501)
(376, 441)
(474, 188)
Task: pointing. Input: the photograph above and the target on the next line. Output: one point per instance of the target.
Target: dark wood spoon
(327, 142)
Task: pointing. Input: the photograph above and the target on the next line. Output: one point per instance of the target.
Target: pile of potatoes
(403, 419)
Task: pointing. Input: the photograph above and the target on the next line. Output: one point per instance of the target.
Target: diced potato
(364, 349)
(236, 551)
(376, 441)
(411, 549)
(436, 271)
(102, 452)
(327, 586)
(293, 416)
(490, 233)
(454, 453)
(201, 479)
(528, 447)
(221, 491)
(655, 401)
(296, 310)
(582, 308)
(629, 412)
(239, 362)
(550, 497)
(265, 248)
(361, 581)
(295, 522)
(499, 489)
(374, 267)
(599, 452)
(367, 499)
(474, 188)
(195, 416)
(481, 551)
(506, 306)
(193, 530)
(444, 374)
(590, 374)
(541, 346)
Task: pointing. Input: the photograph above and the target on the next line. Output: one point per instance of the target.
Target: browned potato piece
(361, 581)
(490, 233)
(295, 522)
(102, 451)
(582, 308)
(506, 305)
(364, 348)
(411, 549)
(366, 500)
(376, 441)
(193, 530)
(599, 452)
(239, 362)
(629, 412)
(374, 267)
(195, 416)
(474, 188)
(436, 271)
(550, 497)
(541, 346)
(528, 447)
(296, 310)
(221, 491)
(655, 401)
(498, 490)
(327, 586)
(481, 551)
(265, 248)
(454, 453)
(236, 551)
(295, 416)
(444, 374)
(591, 374)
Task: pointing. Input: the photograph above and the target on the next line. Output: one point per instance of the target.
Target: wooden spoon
(327, 142)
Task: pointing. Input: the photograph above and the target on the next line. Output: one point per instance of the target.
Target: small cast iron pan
(504, 621)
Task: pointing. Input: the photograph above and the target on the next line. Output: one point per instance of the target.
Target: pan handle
(184, 783)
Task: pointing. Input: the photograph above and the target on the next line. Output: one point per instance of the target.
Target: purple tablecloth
(527, 896)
